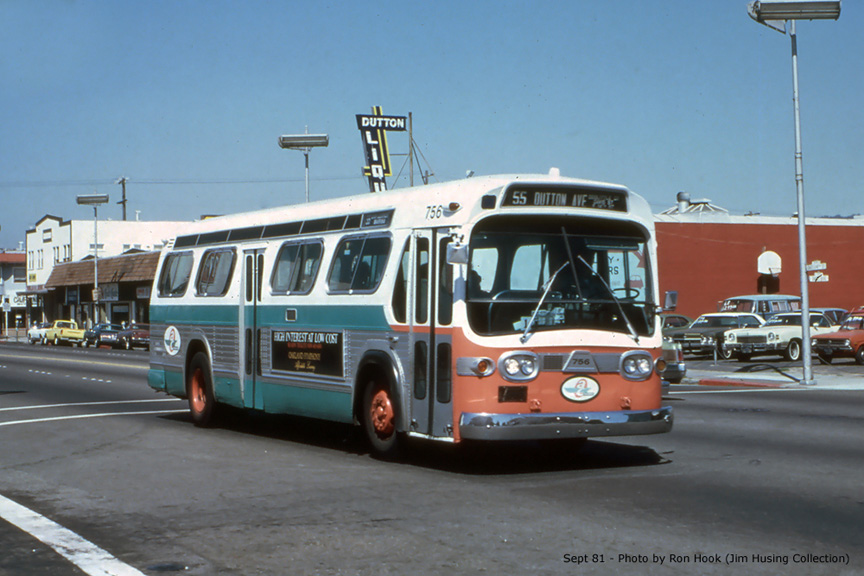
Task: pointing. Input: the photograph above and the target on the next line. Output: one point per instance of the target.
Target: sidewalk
(826, 378)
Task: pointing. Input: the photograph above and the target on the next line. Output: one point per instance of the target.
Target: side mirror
(457, 253)
(671, 301)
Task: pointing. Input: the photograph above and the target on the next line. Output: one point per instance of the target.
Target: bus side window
(400, 289)
(296, 267)
(217, 267)
(307, 270)
(358, 264)
(176, 271)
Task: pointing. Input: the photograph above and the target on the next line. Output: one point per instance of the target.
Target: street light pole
(304, 143)
(94, 200)
(806, 352)
(775, 15)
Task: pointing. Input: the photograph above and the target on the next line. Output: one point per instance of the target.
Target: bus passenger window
(358, 264)
(284, 267)
(217, 267)
(307, 267)
(296, 267)
(175, 274)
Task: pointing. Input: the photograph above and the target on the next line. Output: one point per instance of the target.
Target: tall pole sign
(373, 129)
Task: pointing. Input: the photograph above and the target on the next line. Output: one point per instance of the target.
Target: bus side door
(430, 319)
(250, 332)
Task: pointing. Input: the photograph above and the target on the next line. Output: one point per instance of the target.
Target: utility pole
(122, 182)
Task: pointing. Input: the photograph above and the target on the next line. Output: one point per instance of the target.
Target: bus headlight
(519, 366)
(636, 365)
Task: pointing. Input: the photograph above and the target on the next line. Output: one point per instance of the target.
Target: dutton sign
(374, 129)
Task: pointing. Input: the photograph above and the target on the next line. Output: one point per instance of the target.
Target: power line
(156, 182)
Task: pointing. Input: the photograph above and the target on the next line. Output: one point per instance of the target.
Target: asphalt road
(750, 481)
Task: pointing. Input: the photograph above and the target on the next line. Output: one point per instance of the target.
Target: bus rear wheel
(199, 389)
(379, 415)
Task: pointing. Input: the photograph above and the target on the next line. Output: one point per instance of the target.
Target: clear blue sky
(187, 100)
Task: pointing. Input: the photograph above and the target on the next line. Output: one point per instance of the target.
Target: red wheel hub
(382, 415)
(197, 395)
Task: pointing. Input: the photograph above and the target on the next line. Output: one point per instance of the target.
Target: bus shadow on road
(473, 458)
(532, 457)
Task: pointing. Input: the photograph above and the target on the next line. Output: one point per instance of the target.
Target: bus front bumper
(538, 426)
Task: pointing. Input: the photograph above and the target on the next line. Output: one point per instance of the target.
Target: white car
(780, 335)
(37, 332)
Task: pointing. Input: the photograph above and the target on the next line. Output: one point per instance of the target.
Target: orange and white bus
(487, 309)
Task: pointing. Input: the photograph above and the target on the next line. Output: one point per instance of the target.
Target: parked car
(135, 336)
(835, 315)
(672, 321)
(37, 332)
(765, 305)
(105, 333)
(705, 334)
(65, 332)
(781, 335)
(675, 369)
(847, 341)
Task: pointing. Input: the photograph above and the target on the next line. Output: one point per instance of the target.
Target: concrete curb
(739, 382)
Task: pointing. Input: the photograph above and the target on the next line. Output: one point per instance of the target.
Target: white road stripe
(83, 553)
(82, 416)
(101, 403)
(748, 390)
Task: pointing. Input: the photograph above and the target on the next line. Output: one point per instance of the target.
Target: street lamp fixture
(305, 143)
(774, 15)
(94, 200)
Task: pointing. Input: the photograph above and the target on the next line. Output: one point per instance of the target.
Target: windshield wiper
(632, 330)
(633, 333)
(546, 288)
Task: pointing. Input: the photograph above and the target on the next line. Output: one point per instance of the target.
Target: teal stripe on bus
(308, 317)
(180, 314)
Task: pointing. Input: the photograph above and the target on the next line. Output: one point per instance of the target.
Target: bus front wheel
(379, 419)
(199, 388)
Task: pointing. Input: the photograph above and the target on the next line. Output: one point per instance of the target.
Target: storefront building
(707, 255)
(13, 288)
(124, 289)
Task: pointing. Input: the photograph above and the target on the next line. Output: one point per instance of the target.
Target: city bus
(489, 309)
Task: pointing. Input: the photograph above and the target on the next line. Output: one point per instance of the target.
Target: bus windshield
(557, 274)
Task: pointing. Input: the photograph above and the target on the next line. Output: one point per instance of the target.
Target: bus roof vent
(555, 172)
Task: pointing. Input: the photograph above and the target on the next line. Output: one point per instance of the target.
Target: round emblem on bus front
(580, 389)
(172, 341)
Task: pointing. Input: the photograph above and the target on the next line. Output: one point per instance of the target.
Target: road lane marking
(82, 416)
(749, 390)
(64, 359)
(84, 554)
(100, 403)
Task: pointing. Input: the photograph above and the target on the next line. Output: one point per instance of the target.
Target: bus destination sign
(555, 197)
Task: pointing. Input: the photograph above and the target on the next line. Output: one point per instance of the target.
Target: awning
(140, 267)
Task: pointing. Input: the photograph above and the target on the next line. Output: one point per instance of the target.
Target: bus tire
(199, 389)
(379, 416)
